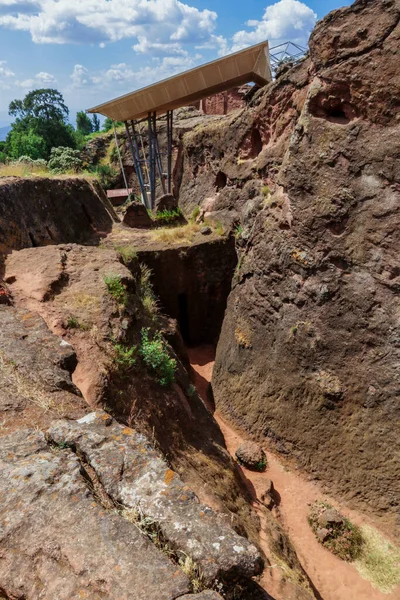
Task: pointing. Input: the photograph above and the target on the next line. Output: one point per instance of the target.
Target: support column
(170, 117)
(133, 145)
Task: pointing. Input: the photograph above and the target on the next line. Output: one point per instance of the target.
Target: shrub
(154, 353)
(164, 217)
(125, 356)
(64, 159)
(3, 157)
(339, 536)
(116, 288)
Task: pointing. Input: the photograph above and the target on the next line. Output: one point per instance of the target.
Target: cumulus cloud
(124, 78)
(40, 80)
(4, 70)
(286, 20)
(153, 23)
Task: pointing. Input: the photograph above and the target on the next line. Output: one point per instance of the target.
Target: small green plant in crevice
(116, 288)
(219, 228)
(265, 191)
(74, 323)
(261, 465)
(127, 253)
(191, 391)
(195, 214)
(125, 356)
(238, 231)
(154, 353)
(165, 217)
(335, 532)
(145, 291)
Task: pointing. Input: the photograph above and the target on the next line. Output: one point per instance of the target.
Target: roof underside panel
(250, 65)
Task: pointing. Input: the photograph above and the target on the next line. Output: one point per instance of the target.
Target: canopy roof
(249, 65)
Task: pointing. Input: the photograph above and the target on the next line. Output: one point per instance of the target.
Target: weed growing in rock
(238, 231)
(195, 214)
(191, 391)
(127, 253)
(265, 191)
(193, 573)
(165, 217)
(125, 356)
(184, 233)
(154, 353)
(145, 291)
(116, 288)
(74, 323)
(335, 532)
(219, 228)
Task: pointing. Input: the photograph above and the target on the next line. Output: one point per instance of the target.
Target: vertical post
(157, 155)
(170, 117)
(136, 160)
(152, 165)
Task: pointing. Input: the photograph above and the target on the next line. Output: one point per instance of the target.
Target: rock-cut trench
(193, 285)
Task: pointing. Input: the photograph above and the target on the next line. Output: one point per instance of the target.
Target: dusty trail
(333, 578)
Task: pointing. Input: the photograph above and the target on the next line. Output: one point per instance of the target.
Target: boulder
(59, 541)
(135, 476)
(136, 216)
(205, 230)
(166, 202)
(251, 456)
(330, 516)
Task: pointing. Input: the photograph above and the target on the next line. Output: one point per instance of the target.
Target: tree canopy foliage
(83, 123)
(40, 125)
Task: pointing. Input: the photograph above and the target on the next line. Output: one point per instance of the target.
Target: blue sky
(94, 50)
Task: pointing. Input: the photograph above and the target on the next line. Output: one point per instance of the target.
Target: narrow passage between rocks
(333, 578)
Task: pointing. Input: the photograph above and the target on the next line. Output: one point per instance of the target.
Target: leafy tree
(25, 143)
(108, 124)
(96, 123)
(41, 114)
(44, 103)
(83, 123)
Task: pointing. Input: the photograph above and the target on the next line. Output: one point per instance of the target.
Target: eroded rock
(135, 476)
(57, 541)
(136, 216)
(252, 456)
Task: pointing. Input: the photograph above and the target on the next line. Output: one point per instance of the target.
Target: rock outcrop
(40, 211)
(309, 352)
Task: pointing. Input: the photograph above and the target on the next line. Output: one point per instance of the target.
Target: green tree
(108, 124)
(41, 114)
(27, 143)
(83, 123)
(96, 123)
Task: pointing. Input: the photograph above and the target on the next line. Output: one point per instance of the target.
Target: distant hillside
(3, 132)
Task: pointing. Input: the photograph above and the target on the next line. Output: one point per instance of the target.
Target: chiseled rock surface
(26, 342)
(134, 475)
(207, 595)
(57, 541)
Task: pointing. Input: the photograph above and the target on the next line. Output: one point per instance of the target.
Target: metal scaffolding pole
(132, 140)
(170, 117)
(157, 154)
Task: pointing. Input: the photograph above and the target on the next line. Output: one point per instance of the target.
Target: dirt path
(333, 578)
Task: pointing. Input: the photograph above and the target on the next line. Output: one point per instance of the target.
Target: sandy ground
(333, 578)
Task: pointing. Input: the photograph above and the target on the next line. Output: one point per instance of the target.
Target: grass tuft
(379, 561)
(185, 233)
(125, 356)
(127, 253)
(145, 291)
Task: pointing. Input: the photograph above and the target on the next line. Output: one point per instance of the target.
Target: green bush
(116, 288)
(165, 217)
(154, 353)
(64, 159)
(125, 356)
(3, 157)
(38, 162)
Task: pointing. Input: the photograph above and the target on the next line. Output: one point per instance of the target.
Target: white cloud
(40, 80)
(80, 76)
(121, 78)
(153, 23)
(4, 70)
(286, 20)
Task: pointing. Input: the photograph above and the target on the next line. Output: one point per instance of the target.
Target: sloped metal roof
(249, 65)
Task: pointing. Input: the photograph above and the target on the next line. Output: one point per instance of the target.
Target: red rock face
(309, 351)
(224, 103)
